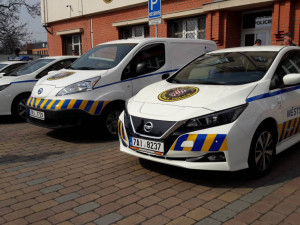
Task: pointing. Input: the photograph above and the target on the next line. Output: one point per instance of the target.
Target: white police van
(97, 85)
(16, 86)
(227, 110)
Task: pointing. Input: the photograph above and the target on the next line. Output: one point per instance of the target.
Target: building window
(72, 45)
(141, 31)
(193, 28)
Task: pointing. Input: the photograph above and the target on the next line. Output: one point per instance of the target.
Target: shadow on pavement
(286, 166)
(9, 120)
(27, 158)
(80, 135)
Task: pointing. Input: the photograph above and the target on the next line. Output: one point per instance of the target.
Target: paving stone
(238, 206)
(86, 207)
(67, 197)
(208, 221)
(52, 188)
(108, 219)
(223, 215)
(37, 181)
(251, 197)
(27, 174)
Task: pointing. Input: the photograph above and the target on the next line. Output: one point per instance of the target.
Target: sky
(34, 25)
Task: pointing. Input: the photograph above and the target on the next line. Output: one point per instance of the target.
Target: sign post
(154, 13)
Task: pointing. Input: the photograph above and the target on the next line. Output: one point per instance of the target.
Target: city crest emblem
(177, 94)
(61, 75)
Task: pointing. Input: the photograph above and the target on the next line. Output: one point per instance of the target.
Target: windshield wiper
(84, 68)
(217, 83)
(176, 80)
(10, 74)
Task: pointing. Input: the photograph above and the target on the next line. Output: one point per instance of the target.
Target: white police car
(227, 110)
(7, 66)
(16, 86)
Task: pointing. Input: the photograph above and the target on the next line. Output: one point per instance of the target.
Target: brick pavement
(73, 177)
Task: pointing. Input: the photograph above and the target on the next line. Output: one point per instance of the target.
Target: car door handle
(165, 76)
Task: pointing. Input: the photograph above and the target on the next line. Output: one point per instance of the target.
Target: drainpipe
(92, 32)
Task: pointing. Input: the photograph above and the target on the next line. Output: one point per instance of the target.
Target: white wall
(55, 10)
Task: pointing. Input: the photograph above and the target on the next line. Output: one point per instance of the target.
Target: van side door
(149, 65)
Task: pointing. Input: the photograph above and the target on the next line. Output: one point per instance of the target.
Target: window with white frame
(193, 28)
(72, 44)
(140, 31)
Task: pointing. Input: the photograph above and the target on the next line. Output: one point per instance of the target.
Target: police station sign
(154, 12)
(264, 21)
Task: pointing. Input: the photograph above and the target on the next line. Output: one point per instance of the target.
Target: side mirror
(291, 79)
(140, 68)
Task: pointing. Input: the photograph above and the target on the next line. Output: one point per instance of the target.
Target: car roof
(61, 57)
(142, 40)
(270, 48)
(12, 62)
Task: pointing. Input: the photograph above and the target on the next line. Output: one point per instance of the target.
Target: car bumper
(60, 119)
(61, 113)
(232, 144)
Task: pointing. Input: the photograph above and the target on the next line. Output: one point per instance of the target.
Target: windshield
(102, 57)
(30, 67)
(231, 68)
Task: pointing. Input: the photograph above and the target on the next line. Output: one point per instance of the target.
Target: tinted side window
(12, 67)
(147, 60)
(290, 63)
(56, 66)
(61, 64)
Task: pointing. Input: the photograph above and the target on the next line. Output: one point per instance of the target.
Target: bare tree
(13, 32)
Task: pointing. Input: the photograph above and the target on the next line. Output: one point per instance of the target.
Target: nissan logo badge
(40, 91)
(148, 127)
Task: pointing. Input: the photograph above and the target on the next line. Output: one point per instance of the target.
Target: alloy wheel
(264, 151)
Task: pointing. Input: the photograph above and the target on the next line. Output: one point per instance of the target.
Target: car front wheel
(19, 108)
(262, 152)
(110, 119)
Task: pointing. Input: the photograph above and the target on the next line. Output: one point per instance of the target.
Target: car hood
(67, 77)
(172, 102)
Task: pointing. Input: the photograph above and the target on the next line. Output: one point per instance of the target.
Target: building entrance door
(249, 37)
(256, 25)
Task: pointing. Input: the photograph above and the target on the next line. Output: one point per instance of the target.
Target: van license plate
(146, 144)
(37, 114)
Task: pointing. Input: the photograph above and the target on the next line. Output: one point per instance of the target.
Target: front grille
(159, 127)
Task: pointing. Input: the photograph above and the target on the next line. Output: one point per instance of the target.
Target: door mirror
(291, 79)
(140, 68)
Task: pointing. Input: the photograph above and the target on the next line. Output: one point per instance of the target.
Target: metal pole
(156, 30)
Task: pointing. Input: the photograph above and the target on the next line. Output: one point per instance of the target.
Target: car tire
(262, 151)
(18, 108)
(109, 120)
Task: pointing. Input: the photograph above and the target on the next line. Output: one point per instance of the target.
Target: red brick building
(230, 23)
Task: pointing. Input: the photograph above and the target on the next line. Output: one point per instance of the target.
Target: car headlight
(2, 87)
(216, 119)
(81, 86)
(126, 109)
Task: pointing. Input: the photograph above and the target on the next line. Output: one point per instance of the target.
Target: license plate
(154, 146)
(37, 114)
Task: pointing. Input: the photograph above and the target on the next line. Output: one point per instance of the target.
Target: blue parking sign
(154, 11)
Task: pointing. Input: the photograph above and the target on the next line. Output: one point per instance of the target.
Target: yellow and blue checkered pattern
(202, 142)
(288, 128)
(121, 131)
(92, 107)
